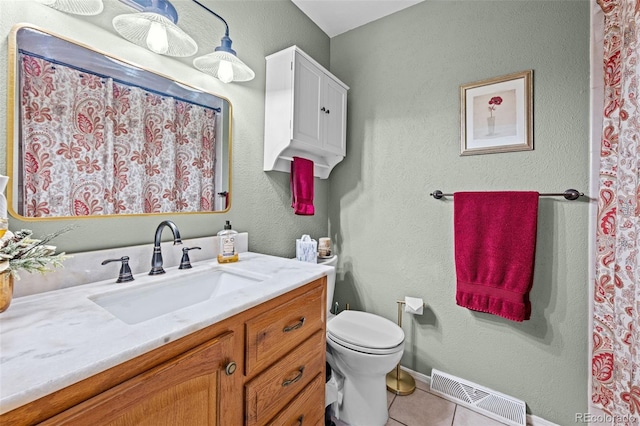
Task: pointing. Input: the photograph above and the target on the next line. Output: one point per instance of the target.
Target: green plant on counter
(20, 252)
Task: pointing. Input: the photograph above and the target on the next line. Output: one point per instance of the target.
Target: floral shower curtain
(616, 326)
(118, 149)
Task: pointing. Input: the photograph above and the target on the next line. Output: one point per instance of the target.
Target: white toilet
(362, 348)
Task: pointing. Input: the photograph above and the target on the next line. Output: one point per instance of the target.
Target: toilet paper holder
(398, 381)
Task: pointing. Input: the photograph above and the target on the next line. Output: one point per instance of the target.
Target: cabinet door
(307, 124)
(335, 117)
(191, 389)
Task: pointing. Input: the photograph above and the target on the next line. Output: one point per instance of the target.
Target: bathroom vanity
(251, 356)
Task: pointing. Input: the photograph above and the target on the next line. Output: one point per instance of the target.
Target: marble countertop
(51, 340)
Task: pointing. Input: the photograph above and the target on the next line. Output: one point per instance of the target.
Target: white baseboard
(538, 421)
(531, 419)
(418, 376)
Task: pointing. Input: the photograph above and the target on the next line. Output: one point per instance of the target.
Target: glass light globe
(225, 72)
(156, 33)
(77, 7)
(157, 38)
(224, 66)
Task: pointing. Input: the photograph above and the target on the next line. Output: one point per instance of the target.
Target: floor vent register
(490, 403)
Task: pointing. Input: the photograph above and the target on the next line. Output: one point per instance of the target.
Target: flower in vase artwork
(493, 104)
(491, 120)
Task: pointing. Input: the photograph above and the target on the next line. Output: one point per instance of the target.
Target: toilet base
(366, 403)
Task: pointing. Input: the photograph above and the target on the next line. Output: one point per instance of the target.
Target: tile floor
(423, 408)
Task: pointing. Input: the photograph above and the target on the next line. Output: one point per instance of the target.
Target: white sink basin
(171, 293)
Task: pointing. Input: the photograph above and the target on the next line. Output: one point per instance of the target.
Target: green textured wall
(403, 142)
(261, 203)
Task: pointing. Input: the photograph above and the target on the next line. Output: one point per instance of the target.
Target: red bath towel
(302, 186)
(495, 245)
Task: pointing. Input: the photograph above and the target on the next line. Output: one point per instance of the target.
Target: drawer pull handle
(295, 379)
(230, 368)
(294, 326)
(300, 419)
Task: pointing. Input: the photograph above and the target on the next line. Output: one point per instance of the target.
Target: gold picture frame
(496, 115)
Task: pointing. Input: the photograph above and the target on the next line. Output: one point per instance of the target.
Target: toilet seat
(365, 332)
(365, 350)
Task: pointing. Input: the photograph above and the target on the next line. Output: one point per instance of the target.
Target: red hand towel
(302, 186)
(495, 245)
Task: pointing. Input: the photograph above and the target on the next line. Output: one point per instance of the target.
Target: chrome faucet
(156, 260)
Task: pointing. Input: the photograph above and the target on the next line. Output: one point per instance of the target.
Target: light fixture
(155, 28)
(76, 7)
(223, 63)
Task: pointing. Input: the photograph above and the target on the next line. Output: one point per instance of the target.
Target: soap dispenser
(227, 245)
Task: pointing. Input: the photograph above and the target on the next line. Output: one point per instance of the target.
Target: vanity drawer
(271, 390)
(306, 409)
(276, 332)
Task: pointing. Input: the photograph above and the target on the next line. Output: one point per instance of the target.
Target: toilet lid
(365, 330)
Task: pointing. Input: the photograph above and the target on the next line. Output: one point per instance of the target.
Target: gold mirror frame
(13, 126)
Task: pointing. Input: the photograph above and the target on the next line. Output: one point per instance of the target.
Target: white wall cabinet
(305, 113)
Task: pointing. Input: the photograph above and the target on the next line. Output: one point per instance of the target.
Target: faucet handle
(185, 263)
(125, 274)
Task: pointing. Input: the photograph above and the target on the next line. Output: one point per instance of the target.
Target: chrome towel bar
(569, 194)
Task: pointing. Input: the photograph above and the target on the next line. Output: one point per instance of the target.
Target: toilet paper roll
(413, 305)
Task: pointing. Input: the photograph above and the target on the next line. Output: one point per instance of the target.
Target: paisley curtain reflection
(111, 139)
(118, 148)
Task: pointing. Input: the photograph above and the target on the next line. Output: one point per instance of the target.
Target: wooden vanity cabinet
(265, 365)
(275, 332)
(303, 409)
(269, 392)
(293, 335)
(190, 389)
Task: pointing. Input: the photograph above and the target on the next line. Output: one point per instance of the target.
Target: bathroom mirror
(92, 135)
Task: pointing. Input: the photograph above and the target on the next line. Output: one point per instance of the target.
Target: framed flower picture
(496, 115)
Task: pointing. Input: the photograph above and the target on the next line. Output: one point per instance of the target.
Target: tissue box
(307, 249)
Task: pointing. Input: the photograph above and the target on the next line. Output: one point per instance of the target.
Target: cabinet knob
(230, 368)
(300, 419)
